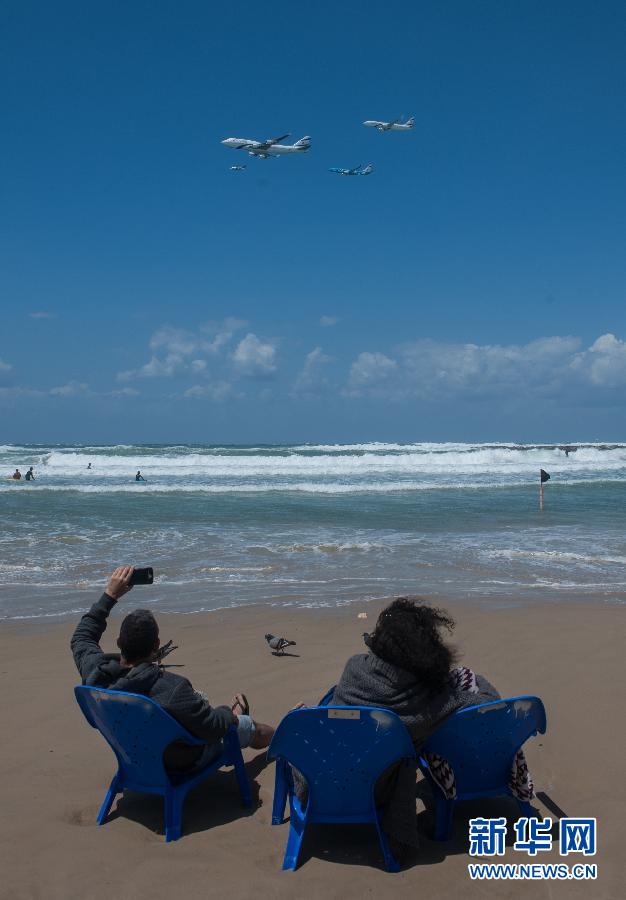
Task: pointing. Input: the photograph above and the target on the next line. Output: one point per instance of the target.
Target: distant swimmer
(30, 475)
(139, 477)
(16, 475)
(89, 466)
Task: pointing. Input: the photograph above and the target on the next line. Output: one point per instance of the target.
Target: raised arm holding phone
(136, 669)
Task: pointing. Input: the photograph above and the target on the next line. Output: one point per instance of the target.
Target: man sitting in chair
(136, 669)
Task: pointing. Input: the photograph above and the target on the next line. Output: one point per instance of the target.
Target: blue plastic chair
(138, 731)
(480, 744)
(341, 751)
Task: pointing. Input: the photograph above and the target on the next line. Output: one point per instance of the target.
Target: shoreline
(81, 598)
(472, 599)
(57, 772)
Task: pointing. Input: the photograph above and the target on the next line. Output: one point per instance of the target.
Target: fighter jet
(238, 168)
(396, 125)
(271, 147)
(358, 170)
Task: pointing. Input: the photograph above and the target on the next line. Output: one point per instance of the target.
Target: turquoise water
(312, 524)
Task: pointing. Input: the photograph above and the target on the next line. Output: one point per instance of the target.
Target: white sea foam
(310, 487)
(335, 465)
(555, 556)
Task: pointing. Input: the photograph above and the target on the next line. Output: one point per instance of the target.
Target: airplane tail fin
(304, 143)
(410, 121)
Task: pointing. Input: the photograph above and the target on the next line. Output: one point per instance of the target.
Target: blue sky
(473, 287)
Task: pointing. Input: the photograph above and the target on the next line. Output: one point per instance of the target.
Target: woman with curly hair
(410, 670)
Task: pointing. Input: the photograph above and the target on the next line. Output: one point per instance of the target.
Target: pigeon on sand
(279, 643)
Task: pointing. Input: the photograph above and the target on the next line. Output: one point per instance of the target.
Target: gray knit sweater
(369, 681)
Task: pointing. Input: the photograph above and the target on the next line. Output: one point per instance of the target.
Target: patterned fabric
(520, 783)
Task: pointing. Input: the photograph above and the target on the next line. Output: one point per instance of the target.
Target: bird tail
(290, 643)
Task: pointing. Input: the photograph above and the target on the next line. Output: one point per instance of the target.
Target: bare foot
(240, 705)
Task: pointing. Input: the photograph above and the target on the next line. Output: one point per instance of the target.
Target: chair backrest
(480, 742)
(137, 729)
(341, 751)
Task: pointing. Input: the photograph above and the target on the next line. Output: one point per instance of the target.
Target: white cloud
(222, 332)
(123, 392)
(155, 368)
(178, 350)
(176, 341)
(218, 392)
(328, 321)
(253, 357)
(71, 389)
(604, 363)
(5, 366)
(369, 371)
(431, 367)
(311, 379)
(14, 393)
(42, 314)
(435, 370)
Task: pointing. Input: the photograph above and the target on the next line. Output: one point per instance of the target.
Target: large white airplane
(271, 147)
(396, 125)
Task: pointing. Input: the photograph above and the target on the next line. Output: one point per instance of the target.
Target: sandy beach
(56, 769)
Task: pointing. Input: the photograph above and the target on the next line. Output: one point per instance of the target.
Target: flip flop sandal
(243, 703)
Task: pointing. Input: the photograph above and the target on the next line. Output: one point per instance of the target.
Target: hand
(119, 582)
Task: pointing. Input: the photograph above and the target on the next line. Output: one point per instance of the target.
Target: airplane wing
(265, 145)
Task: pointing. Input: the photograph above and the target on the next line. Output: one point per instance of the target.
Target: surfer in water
(16, 475)
(89, 466)
(30, 475)
(139, 476)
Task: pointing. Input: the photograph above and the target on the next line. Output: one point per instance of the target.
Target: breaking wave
(315, 468)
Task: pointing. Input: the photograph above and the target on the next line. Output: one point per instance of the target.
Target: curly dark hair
(408, 635)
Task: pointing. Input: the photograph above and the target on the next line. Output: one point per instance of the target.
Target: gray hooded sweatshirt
(173, 692)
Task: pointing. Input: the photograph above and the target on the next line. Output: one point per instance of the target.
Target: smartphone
(142, 576)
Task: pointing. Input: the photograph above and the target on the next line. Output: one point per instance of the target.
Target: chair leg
(173, 803)
(391, 863)
(444, 813)
(242, 780)
(114, 790)
(280, 792)
(297, 824)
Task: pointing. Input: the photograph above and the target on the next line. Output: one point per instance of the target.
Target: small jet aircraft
(358, 170)
(271, 147)
(396, 125)
(238, 168)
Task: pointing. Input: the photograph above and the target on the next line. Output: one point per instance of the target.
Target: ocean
(314, 525)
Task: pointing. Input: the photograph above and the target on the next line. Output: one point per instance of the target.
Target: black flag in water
(544, 475)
